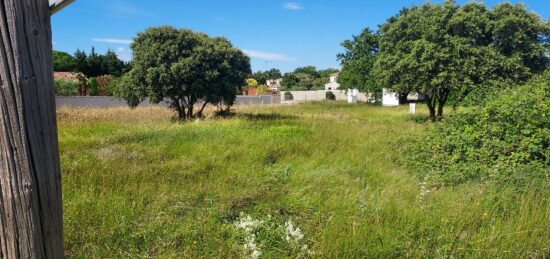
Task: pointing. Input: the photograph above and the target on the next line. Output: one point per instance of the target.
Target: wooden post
(31, 224)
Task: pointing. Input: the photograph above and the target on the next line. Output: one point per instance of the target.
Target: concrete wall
(320, 95)
(112, 102)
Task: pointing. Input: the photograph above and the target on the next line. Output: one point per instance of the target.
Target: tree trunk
(431, 107)
(31, 224)
(179, 108)
(442, 101)
(202, 109)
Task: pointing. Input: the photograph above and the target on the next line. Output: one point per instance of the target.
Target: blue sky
(276, 34)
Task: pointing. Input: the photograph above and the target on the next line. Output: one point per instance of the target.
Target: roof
(335, 74)
(57, 5)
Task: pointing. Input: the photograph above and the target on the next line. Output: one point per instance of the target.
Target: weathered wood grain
(30, 180)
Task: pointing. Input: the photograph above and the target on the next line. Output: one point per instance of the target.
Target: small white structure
(389, 98)
(352, 95)
(412, 108)
(274, 85)
(333, 84)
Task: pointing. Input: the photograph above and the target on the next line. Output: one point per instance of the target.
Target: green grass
(135, 184)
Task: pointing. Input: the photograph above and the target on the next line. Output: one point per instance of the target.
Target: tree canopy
(63, 61)
(307, 78)
(357, 62)
(263, 76)
(444, 50)
(92, 65)
(185, 67)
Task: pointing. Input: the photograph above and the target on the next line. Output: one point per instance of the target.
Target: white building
(389, 98)
(333, 84)
(274, 85)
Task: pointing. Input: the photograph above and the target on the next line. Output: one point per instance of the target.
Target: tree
(112, 65)
(308, 70)
(63, 61)
(443, 50)
(357, 62)
(251, 83)
(519, 32)
(95, 65)
(187, 68)
(274, 74)
(81, 60)
(262, 76)
(31, 209)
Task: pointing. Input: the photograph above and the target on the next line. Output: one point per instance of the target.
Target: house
(72, 76)
(333, 84)
(274, 85)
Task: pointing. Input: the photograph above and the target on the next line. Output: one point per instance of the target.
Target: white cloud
(292, 6)
(268, 56)
(124, 54)
(113, 41)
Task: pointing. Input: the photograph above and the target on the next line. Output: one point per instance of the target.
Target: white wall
(320, 95)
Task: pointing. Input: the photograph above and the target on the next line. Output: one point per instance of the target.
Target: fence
(112, 102)
(320, 95)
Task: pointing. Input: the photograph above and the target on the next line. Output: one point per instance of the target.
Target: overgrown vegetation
(138, 185)
(506, 140)
(64, 87)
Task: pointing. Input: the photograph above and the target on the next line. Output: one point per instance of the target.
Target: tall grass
(136, 184)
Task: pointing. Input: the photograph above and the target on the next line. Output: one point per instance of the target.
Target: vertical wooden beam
(31, 223)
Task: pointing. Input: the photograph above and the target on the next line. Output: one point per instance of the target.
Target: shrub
(330, 96)
(113, 87)
(288, 96)
(93, 86)
(102, 85)
(263, 89)
(64, 87)
(508, 139)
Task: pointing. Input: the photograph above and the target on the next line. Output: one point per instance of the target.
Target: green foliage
(113, 87)
(306, 78)
(263, 89)
(446, 50)
(357, 62)
(95, 65)
(94, 90)
(63, 62)
(185, 67)
(330, 96)
(263, 76)
(508, 140)
(103, 83)
(65, 87)
(252, 83)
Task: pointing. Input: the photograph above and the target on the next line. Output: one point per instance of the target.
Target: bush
(64, 87)
(103, 83)
(263, 89)
(508, 139)
(93, 87)
(330, 96)
(288, 96)
(113, 87)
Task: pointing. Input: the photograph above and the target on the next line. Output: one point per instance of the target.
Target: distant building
(72, 76)
(274, 85)
(389, 98)
(333, 84)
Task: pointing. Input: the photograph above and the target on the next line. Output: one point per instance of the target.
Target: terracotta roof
(65, 75)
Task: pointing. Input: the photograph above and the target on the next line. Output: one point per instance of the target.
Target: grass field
(312, 180)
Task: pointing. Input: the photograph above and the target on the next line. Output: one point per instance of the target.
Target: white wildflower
(293, 233)
(249, 225)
